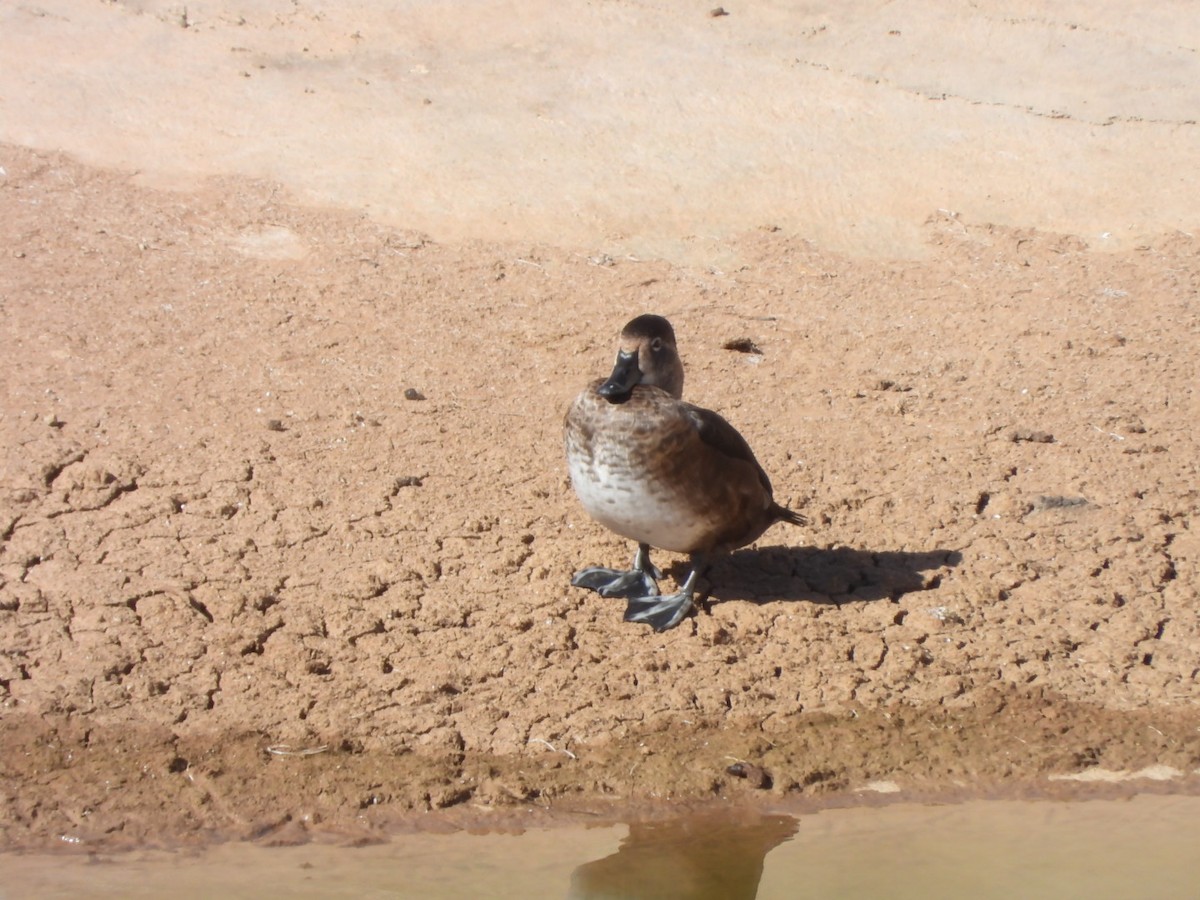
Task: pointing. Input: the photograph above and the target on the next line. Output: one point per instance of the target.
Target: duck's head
(646, 354)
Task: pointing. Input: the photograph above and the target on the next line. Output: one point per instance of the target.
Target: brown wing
(723, 437)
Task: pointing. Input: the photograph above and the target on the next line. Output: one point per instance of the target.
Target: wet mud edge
(71, 786)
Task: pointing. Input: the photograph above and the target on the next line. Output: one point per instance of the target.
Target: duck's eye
(656, 345)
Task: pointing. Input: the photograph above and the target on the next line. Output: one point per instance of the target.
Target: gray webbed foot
(662, 613)
(615, 582)
(640, 581)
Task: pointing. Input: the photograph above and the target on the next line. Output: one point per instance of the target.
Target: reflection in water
(985, 850)
(707, 857)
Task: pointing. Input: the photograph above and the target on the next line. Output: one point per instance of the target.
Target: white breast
(633, 504)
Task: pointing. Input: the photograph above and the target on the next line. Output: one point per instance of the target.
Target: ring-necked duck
(661, 472)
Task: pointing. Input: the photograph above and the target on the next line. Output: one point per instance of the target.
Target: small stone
(756, 776)
(742, 345)
(413, 394)
(275, 425)
(1040, 504)
(1035, 437)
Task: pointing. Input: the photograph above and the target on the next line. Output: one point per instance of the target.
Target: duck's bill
(625, 375)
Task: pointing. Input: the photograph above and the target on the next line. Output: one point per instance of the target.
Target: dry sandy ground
(230, 537)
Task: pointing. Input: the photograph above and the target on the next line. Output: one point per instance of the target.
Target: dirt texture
(286, 535)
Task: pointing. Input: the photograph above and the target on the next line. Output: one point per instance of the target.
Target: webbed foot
(662, 613)
(640, 581)
(615, 582)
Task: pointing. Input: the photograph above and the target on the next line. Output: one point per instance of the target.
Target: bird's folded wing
(723, 437)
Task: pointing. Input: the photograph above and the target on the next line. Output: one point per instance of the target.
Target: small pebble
(275, 425)
(756, 776)
(1055, 502)
(743, 345)
(1036, 437)
(413, 394)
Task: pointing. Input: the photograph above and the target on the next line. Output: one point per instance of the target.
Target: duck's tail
(783, 514)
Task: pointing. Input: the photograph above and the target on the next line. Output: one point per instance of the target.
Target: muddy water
(1142, 847)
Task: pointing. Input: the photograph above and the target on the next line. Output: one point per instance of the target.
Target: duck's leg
(640, 581)
(666, 612)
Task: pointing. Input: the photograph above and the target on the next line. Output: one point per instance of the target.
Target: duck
(663, 473)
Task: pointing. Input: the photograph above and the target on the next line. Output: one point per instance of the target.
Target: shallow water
(1142, 847)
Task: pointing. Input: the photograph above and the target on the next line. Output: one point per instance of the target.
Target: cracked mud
(229, 538)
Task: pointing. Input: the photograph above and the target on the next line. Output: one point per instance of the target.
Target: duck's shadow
(835, 575)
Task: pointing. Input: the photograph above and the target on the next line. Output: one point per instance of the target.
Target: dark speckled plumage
(661, 472)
